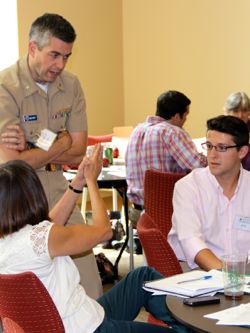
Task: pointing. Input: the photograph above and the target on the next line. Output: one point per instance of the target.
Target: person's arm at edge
(207, 260)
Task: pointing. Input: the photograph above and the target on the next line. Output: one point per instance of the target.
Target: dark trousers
(123, 302)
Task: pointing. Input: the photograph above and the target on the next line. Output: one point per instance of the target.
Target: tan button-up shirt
(24, 102)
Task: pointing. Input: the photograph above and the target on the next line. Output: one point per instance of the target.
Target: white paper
(193, 288)
(238, 316)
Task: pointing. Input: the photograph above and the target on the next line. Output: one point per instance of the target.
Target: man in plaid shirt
(160, 143)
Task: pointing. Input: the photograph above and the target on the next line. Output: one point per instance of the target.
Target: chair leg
(115, 200)
(131, 247)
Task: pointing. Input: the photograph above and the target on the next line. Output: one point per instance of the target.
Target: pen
(206, 277)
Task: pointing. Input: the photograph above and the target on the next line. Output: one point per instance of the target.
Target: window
(8, 33)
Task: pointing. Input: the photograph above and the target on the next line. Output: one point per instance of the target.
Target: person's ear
(243, 152)
(175, 119)
(32, 48)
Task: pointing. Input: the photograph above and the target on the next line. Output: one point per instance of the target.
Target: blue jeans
(123, 302)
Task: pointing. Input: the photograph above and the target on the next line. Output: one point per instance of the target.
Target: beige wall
(200, 47)
(129, 51)
(97, 54)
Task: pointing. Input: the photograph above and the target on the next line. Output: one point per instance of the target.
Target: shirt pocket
(32, 130)
(58, 119)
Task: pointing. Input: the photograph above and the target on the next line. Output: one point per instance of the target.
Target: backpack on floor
(106, 268)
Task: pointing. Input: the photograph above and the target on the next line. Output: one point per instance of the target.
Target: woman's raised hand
(90, 167)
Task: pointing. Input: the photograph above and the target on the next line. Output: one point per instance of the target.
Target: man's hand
(92, 165)
(65, 138)
(14, 138)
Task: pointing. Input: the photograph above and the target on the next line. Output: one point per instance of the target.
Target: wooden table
(193, 316)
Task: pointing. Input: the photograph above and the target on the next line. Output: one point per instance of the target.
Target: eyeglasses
(220, 147)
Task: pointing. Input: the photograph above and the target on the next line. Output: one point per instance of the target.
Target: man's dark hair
(22, 197)
(231, 125)
(51, 25)
(171, 102)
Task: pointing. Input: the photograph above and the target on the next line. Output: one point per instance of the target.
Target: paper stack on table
(190, 284)
(238, 316)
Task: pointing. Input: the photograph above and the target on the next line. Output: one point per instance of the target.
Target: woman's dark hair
(22, 198)
(234, 126)
(171, 102)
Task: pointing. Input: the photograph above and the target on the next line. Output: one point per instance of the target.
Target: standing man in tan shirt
(49, 106)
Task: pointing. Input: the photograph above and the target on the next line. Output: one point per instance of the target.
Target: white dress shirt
(205, 218)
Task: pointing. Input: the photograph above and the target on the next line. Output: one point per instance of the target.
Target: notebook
(190, 284)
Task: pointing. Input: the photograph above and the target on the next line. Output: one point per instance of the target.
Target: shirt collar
(214, 181)
(30, 85)
(155, 119)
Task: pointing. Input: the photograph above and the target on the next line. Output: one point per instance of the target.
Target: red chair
(9, 326)
(158, 193)
(25, 300)
(158, 252)
(93, 139)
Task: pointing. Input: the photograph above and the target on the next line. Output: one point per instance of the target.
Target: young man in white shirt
(211, 205)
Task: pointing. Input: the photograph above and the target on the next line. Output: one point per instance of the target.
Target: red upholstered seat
(158, 193)
(158, 252)
(25, 300)
(9, 326)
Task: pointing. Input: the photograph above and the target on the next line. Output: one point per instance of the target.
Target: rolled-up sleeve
(78, 118)
(183, 150)
(186, 236)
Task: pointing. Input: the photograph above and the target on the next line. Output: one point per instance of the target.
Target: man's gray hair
(51, 25)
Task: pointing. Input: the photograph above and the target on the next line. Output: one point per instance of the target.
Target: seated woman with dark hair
(34, 239)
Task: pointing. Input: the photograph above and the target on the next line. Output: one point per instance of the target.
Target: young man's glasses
(220, 147)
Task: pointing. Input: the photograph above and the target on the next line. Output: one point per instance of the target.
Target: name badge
(31, 117)
(242, 223)
(46, 139)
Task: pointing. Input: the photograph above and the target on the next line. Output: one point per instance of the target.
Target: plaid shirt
(158, 145)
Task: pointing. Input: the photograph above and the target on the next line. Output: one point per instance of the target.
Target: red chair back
(158, 194)
(93, 139)
(158, 252)
(25, 300)
(9, 326)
